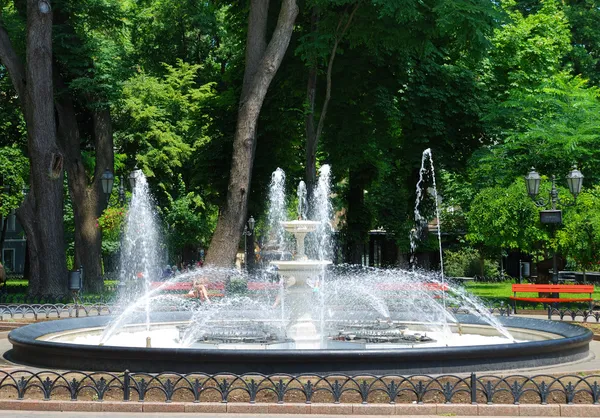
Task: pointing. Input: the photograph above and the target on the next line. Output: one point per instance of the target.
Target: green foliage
(552, 126)
(162, 121)
(579, 238)
(236, 286)
(189, 219)
(466, 262)
(111, 223)
(505, 218)
(529, 49)
(14, 173)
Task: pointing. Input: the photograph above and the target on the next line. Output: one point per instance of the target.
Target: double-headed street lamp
(552, 216)
(108, 180)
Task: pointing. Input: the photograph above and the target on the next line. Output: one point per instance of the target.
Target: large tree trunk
(41, 213)
(88, 199)
(261, 66)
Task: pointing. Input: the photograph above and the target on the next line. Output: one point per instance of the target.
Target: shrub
(466, 262)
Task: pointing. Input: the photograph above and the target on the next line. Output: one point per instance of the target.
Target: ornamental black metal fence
(256, 388)
(72, 310)
(584, 315)
(56, 311)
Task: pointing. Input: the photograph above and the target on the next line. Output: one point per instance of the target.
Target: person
(198, 290)
(2, 274)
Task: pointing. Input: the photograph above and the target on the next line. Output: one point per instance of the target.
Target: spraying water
(352, 295)
(323, 213)
(141, 244)
(302, 202)
(420, 221)
(277, 210)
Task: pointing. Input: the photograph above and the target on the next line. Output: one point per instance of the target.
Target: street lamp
(575, 181)
(133, 176)
(248, 230)
(107, 183)
(552, 216)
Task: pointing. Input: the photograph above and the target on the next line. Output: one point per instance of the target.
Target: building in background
(15, 245)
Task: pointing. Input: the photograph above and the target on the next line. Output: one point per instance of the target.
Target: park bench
(215, 290)
(412, 288)
(551, 288)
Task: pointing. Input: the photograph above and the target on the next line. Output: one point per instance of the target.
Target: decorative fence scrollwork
(253, 388)
(584, 315)
(72, 310)
(48, 311)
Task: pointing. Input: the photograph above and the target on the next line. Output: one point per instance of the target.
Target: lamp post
(121, 192)
(107, 183)
(248, 231)
(552, 216)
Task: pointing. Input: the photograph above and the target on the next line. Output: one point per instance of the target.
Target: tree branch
(330, 68)
(256, 41)
(12, 62)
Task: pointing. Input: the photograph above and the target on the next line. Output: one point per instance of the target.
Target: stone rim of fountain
(572, 345)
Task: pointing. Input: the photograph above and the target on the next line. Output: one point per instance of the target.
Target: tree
(190, 222)
(505, 218)
(162, 122)
(262, 62)
(579, 238)
(41, 212)
(314, 130)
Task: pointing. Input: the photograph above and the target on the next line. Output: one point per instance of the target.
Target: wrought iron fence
(58, 310)
(252, 388)
(573, 314)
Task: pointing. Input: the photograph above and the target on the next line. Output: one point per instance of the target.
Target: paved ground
(38, 414)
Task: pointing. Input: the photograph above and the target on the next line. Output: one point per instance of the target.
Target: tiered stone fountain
(302, 278)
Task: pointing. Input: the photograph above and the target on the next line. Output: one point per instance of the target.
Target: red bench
(551, 288)
(218, 288)
(430, 287)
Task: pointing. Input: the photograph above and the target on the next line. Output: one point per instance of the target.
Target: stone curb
(553, 410)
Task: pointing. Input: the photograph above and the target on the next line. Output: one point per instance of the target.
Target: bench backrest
(184, 286)
(413, 286)
(554, 288)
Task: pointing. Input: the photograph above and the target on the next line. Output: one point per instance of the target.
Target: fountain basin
(552, 343)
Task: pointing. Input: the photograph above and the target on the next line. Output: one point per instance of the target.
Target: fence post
(473, 388)
(126, 383)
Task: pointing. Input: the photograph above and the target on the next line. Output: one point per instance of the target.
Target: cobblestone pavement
(38, 414)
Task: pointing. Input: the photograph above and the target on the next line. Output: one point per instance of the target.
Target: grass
(16, 282)
(501, 291)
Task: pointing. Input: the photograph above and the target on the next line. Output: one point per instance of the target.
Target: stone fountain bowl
(300, 226)
(550, 343)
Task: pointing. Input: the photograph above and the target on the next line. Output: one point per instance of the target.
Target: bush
(466, 263)
(236, 286)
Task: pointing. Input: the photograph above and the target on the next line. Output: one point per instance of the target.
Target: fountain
(319, 317)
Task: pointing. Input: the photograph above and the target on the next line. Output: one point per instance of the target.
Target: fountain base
(549, 343)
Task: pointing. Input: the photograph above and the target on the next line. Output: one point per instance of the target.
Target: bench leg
(550, 311)
(515, 306)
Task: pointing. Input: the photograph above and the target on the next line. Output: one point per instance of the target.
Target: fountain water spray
(140, 253)
(420, 221)
(369, 303)
(302, 203)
